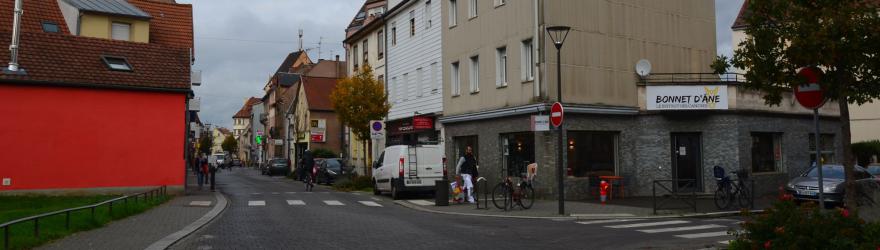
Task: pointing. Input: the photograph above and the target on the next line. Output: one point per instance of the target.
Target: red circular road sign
(810, 94)
(556, 114)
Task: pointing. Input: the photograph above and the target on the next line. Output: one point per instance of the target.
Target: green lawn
(54, 227)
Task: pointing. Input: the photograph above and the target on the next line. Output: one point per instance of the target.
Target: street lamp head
(558, 34)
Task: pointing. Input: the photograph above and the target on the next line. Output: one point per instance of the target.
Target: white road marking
(375, 199)
(356, 193)
(676, 229)
(606, 221)
(274, 192)
(649, 224)
(725, 242)
(289, 192)
(255, 193)
(370, 203)
(256, 203)
(334, 203)
(703, 235)
(295, 202)
(200, 203)
(421, 202)
(601, 215)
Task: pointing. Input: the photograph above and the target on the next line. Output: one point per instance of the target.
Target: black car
(278, 166)
(329, 169)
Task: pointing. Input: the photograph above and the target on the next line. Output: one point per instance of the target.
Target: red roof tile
(245, 111)
(172, 24)
(318, 91)
(61, 58)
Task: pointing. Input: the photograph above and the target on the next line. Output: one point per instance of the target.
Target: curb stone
(567, 218)
(169, 240)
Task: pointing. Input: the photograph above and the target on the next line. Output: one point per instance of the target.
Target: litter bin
(441, 196)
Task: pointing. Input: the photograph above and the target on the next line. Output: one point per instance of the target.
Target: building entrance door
(687, 161)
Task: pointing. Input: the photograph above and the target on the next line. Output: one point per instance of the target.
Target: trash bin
(441, 196)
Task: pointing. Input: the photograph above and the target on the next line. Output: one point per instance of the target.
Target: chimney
(16, 33)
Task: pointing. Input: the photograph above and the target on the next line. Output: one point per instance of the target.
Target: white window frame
(406, 86)
(394, 34)
(380, 44)
(354, 56)
(412, 23)
(453, 13)
(474, 71)
(393, 90)
(366, 46)
(501, 66)
(527, 62)
(472, 9)
(500, 2)
(427, 14)
(115, 25)
(455, 78)
(433, 78)
(419, 83)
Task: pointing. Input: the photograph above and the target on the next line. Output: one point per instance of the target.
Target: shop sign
(279, 142)
(423, 122)
(691, 97)
(317, 136)
(540, 123)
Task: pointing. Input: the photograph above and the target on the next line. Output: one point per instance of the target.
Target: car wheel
(395, 193)
(376, 188)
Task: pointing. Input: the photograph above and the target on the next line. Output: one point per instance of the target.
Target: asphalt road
(276, 213)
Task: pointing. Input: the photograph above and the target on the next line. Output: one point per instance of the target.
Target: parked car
(806, 186)
(405, 168)
(329, 169)
(278, 166)
(236, 163)
(874, 169)
(217, 160)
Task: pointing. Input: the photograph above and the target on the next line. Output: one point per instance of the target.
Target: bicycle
(506, 195)
(731, 189)
(310, 179)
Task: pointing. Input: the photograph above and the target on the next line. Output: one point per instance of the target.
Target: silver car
(806, 186)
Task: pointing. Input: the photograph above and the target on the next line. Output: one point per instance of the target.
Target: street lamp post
(558, 35)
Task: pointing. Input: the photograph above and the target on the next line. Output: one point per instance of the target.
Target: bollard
(441, 195)
(603, 191)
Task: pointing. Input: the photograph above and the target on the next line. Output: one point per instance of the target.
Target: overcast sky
(240, 43)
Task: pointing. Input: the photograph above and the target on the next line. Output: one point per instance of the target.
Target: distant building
(98, 98)
(241, 124)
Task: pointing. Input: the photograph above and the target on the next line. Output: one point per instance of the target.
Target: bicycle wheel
(501, 196)
(723, 198)
(745, 197)
(527, 197)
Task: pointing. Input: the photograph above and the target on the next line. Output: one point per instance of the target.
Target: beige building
(365, 45)
(677, 121)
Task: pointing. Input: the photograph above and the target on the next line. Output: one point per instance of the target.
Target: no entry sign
(810, 94)
(556, 114)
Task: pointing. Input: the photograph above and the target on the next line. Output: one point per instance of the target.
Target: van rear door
(430, 162)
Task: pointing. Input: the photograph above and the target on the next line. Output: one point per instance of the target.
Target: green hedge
(864, 150)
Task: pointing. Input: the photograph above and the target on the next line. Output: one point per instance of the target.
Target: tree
(205, 145)
(838, 36)
(358, 99)
(230, 144)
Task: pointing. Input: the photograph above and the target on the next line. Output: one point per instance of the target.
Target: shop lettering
(688, 99)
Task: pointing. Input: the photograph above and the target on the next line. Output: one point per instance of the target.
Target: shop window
(592, 153)
(518, 151)
(827, 148)
(766, 152)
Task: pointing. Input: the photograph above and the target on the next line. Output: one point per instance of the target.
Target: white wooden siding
(418, 92)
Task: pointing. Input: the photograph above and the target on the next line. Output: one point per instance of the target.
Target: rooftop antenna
(319, 47)
(300, 39)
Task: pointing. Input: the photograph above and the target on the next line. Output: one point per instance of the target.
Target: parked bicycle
(730, 189)
(507, 195)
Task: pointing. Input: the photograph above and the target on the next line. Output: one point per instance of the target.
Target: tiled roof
(288, 62)
(318, 91)
(114, 7)
(328, 68)
(172, 24)
(61, 58)
(245, 111)
(741, 17)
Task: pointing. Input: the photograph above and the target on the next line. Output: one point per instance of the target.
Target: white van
(406, 168)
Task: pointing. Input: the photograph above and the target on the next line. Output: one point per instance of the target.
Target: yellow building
(116, 20)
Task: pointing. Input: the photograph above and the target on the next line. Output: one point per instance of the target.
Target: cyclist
(308, 169)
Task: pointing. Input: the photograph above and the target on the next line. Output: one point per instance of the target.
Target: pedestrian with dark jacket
(308, 162)
(467, 168)
(203, 171)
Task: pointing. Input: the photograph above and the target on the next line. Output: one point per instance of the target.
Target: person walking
(213, 175)
(467, 168)
(203, 171)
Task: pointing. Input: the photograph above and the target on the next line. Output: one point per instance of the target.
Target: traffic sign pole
(811, 96)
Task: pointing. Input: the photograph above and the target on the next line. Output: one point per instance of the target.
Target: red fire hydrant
(603, 191)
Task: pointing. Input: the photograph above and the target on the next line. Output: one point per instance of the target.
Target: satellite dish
(643, 68)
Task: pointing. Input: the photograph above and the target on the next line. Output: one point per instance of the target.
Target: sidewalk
(156, 228)
(628, 207)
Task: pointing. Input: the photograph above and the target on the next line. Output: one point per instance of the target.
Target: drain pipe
(16, 32)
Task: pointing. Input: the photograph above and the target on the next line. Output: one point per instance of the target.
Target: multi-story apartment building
(365, 44)
(278, 96)
(500, 78)
(241, 122)
(414, 73)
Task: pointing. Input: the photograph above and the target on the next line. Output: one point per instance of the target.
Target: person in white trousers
(467, 168)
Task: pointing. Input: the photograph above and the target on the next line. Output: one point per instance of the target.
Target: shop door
(687, 162)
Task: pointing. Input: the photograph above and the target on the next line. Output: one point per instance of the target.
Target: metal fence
(682, 190)
(152, 194)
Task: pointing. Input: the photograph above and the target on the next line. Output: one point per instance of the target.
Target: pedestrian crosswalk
(263, 203)
(713, 230)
